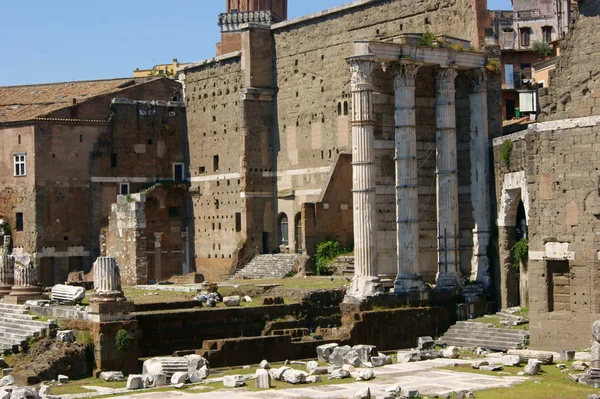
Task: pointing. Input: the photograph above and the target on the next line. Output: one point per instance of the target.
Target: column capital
(405, 74)
(362, 73)
(477, 80)
(445, 79)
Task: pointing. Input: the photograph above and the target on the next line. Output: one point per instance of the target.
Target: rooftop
(20, 103)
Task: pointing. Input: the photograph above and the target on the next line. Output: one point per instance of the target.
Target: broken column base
(20, 295)
(591, 378)
(406, 283)
(363, 287)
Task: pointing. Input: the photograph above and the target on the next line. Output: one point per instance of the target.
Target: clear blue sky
(47, 41)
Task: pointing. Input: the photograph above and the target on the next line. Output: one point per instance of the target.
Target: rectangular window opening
(215, 163)
(238, 222)
(123, 188)
(19, 219)
(178, 175)
(113, 160)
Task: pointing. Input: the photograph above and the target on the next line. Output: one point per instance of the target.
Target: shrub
(520, 253)
(326, 252)
(493, 65)
(123, 340)
(542, 49)
(505, 151)
(427, 39)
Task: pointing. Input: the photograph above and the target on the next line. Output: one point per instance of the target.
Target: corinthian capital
(445, 79)
(478, 80)
(405, 74)
(362, 72)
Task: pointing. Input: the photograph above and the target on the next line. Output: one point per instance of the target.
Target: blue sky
(63, 40)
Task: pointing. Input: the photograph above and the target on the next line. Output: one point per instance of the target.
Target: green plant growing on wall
(458, 47)
(505, 151)
(327, 251)
(541, 49)
(493, 65)
(123, 340)
(427, 39)
(520, 253)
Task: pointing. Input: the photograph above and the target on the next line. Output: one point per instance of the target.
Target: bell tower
(242, 12)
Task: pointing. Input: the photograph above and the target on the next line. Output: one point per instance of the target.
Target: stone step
(20, 337)
(266, 266)
(13, 311)
(17, 329)
(501, 340)
(492, 331)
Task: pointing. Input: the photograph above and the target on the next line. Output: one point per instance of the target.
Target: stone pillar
(158, 256)
(186, 238)
(480, 178)
(448, 275)
(26, 284)
(7, 268)
(407, 187)
(107, 280)
(366, 281)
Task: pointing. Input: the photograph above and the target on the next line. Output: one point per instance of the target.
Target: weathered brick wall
(213, 108)
(574, 90)
(564, 197)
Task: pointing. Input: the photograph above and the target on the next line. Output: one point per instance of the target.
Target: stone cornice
(55, 121)
(233, 21)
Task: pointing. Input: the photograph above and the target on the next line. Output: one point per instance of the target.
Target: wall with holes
(213, 108)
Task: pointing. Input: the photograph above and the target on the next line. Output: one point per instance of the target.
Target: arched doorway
(284, 238)
(298, 230)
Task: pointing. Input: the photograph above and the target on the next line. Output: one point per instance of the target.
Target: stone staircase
(17, 326)
(509, 316)
(266, 266)
(480, 335)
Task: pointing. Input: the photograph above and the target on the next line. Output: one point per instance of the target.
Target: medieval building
(273, 141)
(69, 149)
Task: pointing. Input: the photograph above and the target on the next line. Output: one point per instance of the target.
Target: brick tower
(242, 12)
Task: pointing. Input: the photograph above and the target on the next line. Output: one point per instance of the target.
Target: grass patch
(76, 386)
(68, 390)
(495, 320)
(550, 384)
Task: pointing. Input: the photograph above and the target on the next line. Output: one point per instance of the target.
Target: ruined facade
(270, 135)
(69, 149)
(552, 175)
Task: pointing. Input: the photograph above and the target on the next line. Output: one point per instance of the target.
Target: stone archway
(514, 193)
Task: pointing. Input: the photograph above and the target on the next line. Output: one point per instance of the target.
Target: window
(178, 175)
(20, 160)
(173, 211)
(525, 36)
(547, 33)
(283, 229)
(216, 163)
(202, 169)
(238, 222)
(113, 160)
(123, 188)
(345, 107)
(19, 221)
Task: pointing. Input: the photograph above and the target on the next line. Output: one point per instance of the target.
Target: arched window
(19, 139)
(339, 109)
(283, 229)
(345, 107)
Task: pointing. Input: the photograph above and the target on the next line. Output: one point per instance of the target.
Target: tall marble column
(366, 281)
(407, 187)
(7, 268)
(448, 275)
(107, 280)
(26, 284)
(480, 178)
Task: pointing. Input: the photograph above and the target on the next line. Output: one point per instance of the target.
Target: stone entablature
(232, 21)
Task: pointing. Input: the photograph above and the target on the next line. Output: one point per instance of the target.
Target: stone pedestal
(480, 178)
(7, 268)
(26, 286)
(108, 302)
(407, 187)
(448, 276)
(366, 281)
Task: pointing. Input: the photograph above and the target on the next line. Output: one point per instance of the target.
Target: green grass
(313, 283)
(550, 384)
(495, 320)
(76, 386)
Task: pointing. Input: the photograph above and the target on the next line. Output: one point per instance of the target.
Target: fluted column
(447, 180)
(7, 268)
(407, 187)
(480, 178)
(366, 281)
(107, 280)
